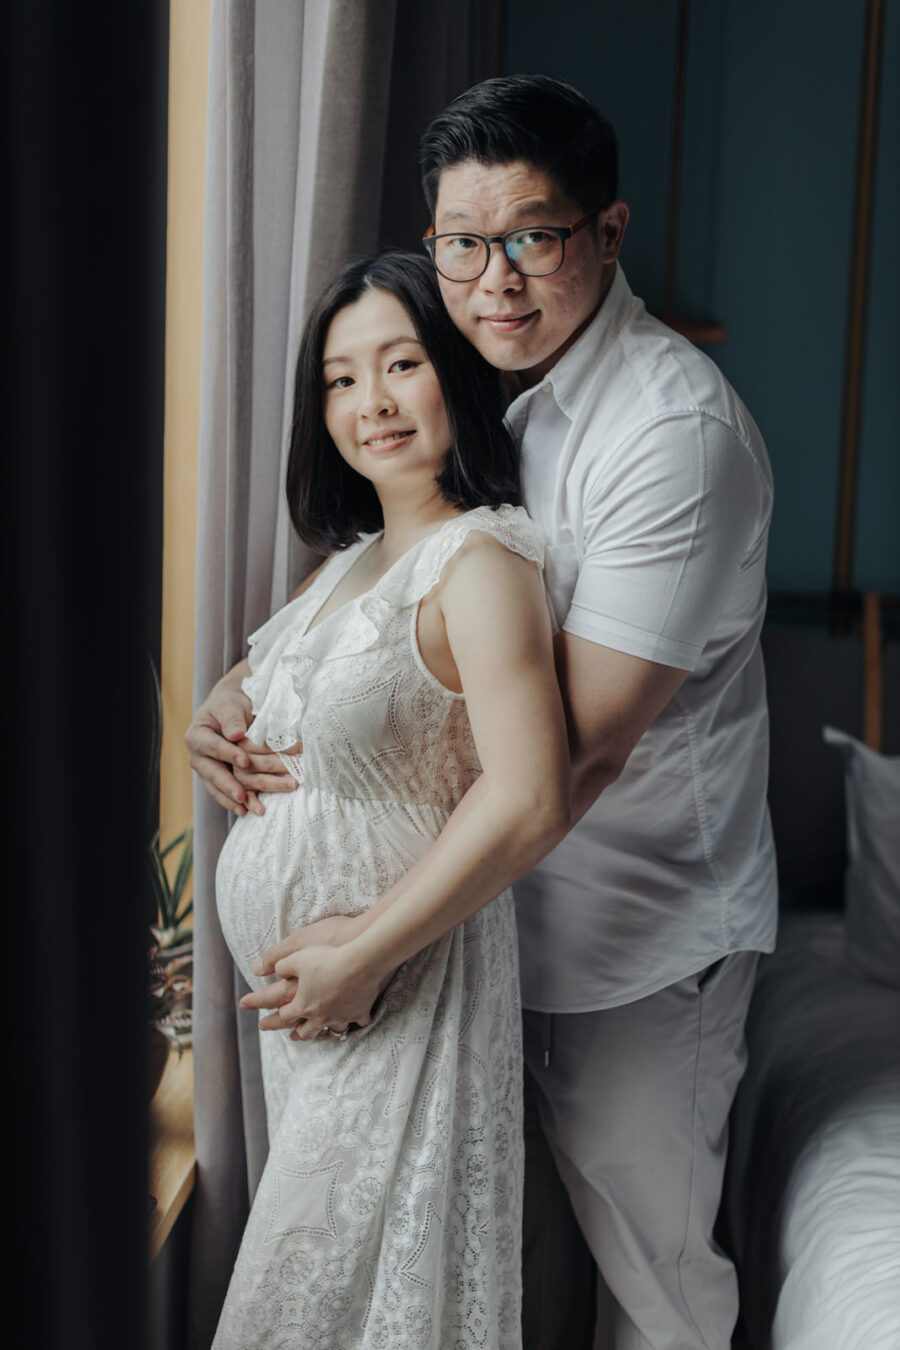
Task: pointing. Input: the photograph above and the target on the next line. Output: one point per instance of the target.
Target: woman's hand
(335, 931)
(333, 993)
(318, 987)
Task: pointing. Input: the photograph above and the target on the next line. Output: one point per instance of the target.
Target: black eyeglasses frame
(564, 232)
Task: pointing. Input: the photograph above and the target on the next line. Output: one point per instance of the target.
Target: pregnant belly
(310, 856)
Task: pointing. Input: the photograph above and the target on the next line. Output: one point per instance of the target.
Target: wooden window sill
(173, 1160)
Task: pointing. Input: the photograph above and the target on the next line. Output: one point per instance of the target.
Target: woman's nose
(377, 401)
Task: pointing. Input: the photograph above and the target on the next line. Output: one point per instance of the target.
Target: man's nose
(500, 275)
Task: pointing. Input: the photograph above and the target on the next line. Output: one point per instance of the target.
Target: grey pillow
(872, 898)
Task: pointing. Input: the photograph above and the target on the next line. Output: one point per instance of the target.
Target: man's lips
(387, 440)
(508, 323)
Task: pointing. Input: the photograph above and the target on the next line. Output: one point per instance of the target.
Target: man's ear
(613, 223)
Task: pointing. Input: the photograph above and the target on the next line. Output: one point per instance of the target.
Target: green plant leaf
(169, 896)
(161, 889)
(155, 726)
(173, 843)
(185, 863)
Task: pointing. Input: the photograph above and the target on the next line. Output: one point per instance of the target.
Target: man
(640, 933)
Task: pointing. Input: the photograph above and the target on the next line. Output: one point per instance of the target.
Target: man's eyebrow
(539, 209)
(382, 347)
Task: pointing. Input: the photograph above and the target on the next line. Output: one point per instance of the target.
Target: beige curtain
(315, 110)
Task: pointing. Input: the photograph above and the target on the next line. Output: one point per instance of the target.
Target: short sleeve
(510, 525)
(680, 512)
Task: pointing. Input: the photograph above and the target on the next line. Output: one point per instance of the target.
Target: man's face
(518, 323)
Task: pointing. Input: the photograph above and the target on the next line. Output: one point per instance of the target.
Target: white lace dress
(389, 1212)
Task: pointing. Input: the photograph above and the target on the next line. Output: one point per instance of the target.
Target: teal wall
(767, 208)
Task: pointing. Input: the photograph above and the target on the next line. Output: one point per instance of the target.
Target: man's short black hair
(331, 504)
(526, 117)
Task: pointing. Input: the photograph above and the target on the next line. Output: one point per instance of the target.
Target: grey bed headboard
(814, 679)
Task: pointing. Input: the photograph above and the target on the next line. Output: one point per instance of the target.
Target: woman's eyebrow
(382, 347)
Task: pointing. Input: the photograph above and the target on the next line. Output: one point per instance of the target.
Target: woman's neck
(406, 521)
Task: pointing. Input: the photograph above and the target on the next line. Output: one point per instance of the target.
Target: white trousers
(628, 1109)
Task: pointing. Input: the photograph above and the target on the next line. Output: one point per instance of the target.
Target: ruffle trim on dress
(277, 723)
(270, 690)
(511, 525)
(287, 665)
(277, 711)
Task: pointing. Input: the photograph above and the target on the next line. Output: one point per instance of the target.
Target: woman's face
(384, 408)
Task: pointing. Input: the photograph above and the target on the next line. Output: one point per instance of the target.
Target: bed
(813, 1187)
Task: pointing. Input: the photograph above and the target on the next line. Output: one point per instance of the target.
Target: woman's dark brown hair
(331, 504)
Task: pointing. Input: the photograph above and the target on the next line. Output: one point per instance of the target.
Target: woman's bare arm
(499, 635)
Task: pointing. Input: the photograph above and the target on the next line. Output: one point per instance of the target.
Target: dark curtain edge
(85, 294)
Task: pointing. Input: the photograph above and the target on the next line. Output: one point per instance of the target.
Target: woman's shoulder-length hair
(331, 504)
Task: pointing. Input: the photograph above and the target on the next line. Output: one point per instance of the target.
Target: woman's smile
(388, 440)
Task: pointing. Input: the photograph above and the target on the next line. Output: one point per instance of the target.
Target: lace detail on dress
(284, 654)
(390, 1208)
(269, 685)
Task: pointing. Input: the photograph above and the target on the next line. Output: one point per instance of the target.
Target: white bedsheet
(814, 1186)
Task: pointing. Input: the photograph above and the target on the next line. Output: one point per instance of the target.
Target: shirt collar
(568, 379)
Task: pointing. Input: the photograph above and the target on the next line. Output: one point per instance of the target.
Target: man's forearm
(232, 680)
(589, 780)
(611, 699)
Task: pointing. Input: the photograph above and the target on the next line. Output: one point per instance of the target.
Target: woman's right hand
(334, 931)
(277, 998)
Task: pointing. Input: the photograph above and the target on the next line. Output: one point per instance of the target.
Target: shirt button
(547, 388)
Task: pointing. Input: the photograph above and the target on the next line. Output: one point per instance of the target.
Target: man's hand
(265, 772)
(218, 749)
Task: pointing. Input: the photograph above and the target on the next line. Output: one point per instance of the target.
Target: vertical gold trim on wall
(188, 70)
(854, 364)
(872, 670)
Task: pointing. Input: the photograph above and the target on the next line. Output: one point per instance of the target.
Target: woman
(416, 667)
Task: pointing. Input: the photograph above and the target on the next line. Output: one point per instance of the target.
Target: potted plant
(172, 903)
(171, 957)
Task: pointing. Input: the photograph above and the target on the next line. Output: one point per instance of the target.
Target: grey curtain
(315, 110)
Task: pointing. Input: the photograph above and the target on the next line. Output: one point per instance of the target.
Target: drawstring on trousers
(547, 1038)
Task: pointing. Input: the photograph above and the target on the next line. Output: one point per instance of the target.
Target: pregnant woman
(416, 668)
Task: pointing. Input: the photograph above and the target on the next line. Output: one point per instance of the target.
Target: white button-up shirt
(651, 483)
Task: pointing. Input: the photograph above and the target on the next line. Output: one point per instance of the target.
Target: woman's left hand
(318, 988)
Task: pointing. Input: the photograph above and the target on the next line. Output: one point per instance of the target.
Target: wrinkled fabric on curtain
(314, 115)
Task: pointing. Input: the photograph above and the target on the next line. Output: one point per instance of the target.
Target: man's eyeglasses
(533, 250)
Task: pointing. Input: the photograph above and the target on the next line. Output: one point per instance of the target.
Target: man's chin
(505, 356)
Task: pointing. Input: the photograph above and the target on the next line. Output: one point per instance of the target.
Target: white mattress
(814, 1181)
